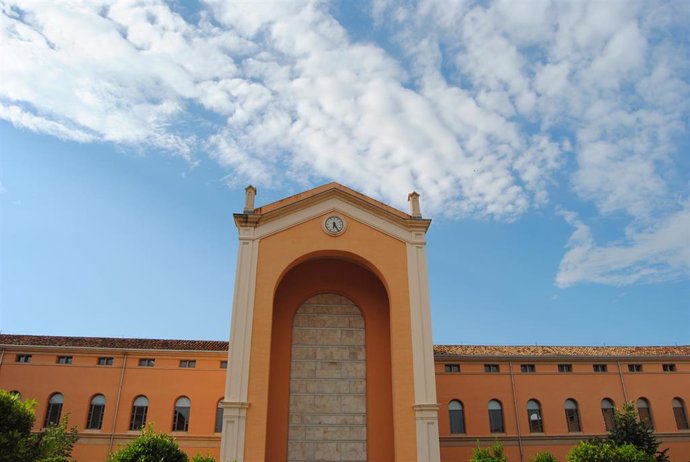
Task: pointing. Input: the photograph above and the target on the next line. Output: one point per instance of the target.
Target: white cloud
(652, 255)
(104, 72)
(20, 118)
(480, 106)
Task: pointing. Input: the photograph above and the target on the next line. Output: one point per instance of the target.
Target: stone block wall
(328, 382)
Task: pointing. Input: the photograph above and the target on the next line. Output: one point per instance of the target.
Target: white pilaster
(426, 407)
(237, 379)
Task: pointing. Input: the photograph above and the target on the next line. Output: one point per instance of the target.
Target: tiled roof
(550, 351)
(119, 343)
(439, 350)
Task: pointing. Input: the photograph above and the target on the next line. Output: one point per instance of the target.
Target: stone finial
(250, 194)
(413, 199)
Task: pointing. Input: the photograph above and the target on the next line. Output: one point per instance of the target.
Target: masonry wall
(327, 404)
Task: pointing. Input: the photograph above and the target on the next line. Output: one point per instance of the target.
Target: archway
(353, 287)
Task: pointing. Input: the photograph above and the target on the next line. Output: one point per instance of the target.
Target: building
(82, 374)
(331, 358)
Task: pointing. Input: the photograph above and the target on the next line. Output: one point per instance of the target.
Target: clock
(334, 225)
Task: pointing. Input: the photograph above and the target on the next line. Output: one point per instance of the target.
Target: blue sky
(549, 141)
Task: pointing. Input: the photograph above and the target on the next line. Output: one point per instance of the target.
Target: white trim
(232, 437)
(237, 375)
(336, 205)
(426, 413)
(428, 447)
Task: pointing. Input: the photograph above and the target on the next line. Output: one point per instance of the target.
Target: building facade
(331, 358)
(110, 387)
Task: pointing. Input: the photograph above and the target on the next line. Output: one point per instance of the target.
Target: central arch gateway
(330, 247)
(332, 285)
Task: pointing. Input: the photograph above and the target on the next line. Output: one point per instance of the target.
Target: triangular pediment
(329, 197)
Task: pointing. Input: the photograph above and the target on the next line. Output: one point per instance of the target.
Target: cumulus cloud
(482, 107)
(650, 255)
(593, 80)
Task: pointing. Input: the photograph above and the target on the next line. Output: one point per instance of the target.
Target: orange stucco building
(330, 358)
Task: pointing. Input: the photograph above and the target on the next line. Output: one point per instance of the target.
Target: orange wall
(204, 385)
(474, 388)
(385, 256)
(162, 384)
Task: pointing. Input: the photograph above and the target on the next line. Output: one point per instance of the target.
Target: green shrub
(629, 453)
(150, 447)
(200, 458)
(543, 457)
(606, 451)
(492, 454)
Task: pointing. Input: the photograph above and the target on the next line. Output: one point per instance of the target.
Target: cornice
(258, 218)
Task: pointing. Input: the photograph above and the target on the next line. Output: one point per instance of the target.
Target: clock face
(334, 225)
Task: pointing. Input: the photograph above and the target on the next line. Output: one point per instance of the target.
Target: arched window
(181, 414)
(16, 393)
(496, 417)
(457, 416)
(140, 408)
(219, 416)
(679, 414)
(572, 416)
(608, 410)
(96, 411)
(54, 410)
(645, 412)
(536, 424)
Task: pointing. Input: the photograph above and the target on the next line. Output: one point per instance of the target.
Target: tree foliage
(629, 430)
(492, 454)
(57, 441)
(154, 447)
(606, 451)
(201, 458)
(19, 444)
(543, 457)
(150, 447)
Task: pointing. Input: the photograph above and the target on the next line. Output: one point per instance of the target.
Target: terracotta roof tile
(439, 350)
(535, 351)
(120, 343)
